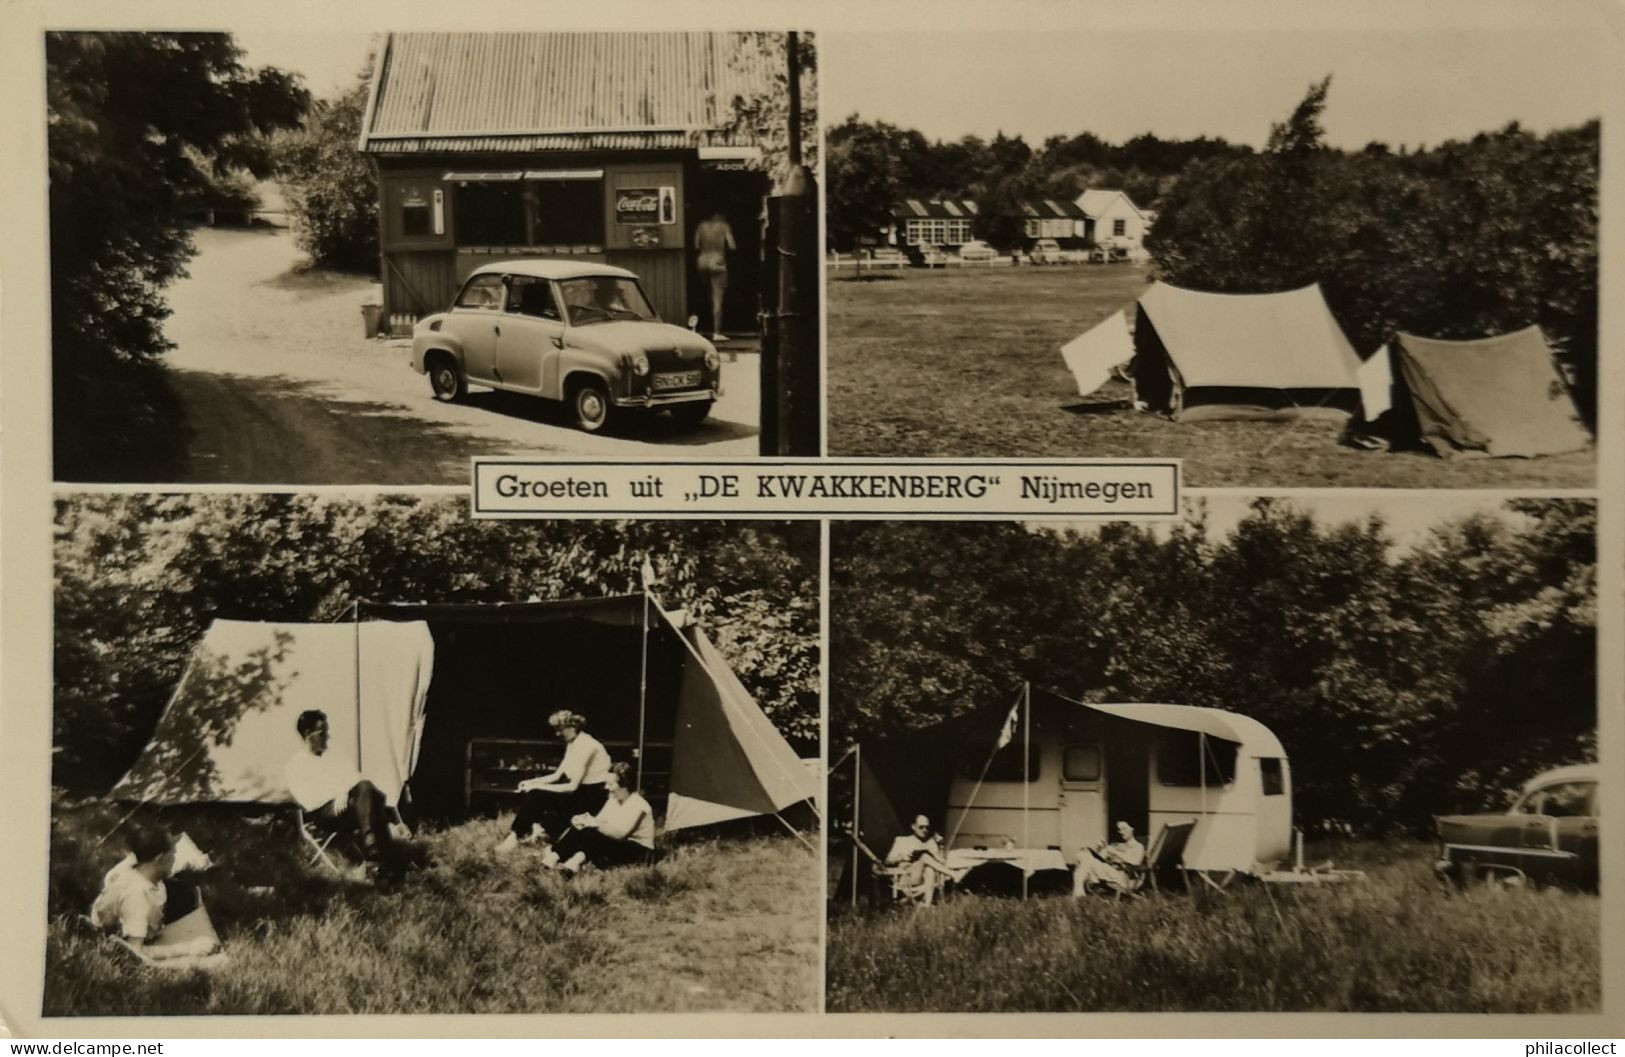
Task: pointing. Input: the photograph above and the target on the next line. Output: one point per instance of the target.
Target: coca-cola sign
(637, 205)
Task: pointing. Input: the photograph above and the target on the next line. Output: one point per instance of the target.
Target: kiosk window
(1081, 763)
(1181, 760)
(490, 214)
(567, 212)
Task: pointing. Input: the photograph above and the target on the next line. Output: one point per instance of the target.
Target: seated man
(136, 904)
(1105, 864)
(338, 797)
(917, 862)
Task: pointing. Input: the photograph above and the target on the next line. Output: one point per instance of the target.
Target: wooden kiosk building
(605, 147)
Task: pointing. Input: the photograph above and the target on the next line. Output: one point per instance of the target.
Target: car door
(475, 320)
(531, 334)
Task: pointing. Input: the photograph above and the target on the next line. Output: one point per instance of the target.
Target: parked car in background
(578, 332)
(977, 250)
(932, 256)
(1549, 835)
(1047, 251)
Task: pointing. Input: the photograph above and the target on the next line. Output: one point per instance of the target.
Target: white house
(1113, 220)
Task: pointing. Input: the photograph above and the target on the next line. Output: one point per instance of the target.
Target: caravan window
(1080, 763)
(1270, 773)
(1181, 759)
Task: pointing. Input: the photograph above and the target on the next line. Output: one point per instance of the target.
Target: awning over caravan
(1279, 350)
(728, 760)
(1091, 355)
(1245, 731)
(1495, 396)
(229, 728)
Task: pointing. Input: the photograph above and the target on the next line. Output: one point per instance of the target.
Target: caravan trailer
(1089, 766)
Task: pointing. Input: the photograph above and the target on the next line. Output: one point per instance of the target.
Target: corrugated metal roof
(559, 91)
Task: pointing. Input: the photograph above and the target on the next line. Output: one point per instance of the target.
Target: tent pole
(977, 788)
(643, 681)
(355, 622)
(857, 803)
(1026, 756)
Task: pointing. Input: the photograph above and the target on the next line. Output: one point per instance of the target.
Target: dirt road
(279, 387)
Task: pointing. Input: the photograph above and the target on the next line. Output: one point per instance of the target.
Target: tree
(130, 116)
(765, 115)
(331, 190)
(862, 175)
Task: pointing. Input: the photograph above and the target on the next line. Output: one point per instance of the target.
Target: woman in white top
(576, 785)
(622, 833)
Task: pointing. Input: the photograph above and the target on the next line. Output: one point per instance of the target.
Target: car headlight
(640, 365)
(712, 360)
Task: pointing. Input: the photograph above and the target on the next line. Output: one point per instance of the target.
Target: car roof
(1578, 772)
(547, 268)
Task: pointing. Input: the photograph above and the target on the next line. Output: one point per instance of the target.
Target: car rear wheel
(446, 380)
(691, 415)
(589, 405)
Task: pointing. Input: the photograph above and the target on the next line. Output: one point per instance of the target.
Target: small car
(1549, 835)
(1047, 251)
(977, 250)
(931, 256)
(579, 332)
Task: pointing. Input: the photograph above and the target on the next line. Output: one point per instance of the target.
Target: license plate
(677, 380)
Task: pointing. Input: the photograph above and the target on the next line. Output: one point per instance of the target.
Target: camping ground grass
(716, 925)
(1398, 942)
(967, 363)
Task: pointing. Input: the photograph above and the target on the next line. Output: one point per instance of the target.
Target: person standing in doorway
(713, 241)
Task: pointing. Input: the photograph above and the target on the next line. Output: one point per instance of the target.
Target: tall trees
(331, 190)
(130, 116)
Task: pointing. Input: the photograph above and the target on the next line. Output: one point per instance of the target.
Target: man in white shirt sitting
(1105, 865)
(622, 833)
(338, 797)
(917, 862)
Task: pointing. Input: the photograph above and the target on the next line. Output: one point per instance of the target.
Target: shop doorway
(737, 194)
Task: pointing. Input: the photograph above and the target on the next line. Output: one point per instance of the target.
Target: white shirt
(314, 781)
(130, 901)
(908, 847)
(630, 819)
(585, 761)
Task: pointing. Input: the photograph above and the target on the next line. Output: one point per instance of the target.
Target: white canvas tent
(1094, 354)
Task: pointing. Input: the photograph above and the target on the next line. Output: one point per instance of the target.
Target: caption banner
(1066, 489)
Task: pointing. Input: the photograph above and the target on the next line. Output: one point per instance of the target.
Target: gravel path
(279, 387)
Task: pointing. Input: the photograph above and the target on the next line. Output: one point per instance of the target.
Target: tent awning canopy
(1254, 738)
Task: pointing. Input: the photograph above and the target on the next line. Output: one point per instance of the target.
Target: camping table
(1029, 860)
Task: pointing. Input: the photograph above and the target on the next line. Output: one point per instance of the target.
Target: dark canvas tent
(1495, 396)
(1207, 356)
(654, 689)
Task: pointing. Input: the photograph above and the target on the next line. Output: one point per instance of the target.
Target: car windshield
(602, 298)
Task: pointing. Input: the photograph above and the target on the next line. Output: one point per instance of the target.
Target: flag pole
(1026, 756)
(643, 679)
(355, 622)
(857, 802)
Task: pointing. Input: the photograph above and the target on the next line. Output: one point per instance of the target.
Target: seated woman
(1105, 865)
(136, 904)
(622, 833)
(575, 786)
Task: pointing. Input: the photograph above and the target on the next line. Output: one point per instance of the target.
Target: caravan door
(1083, 797)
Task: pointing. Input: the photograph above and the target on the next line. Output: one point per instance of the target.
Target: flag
(1008, 733)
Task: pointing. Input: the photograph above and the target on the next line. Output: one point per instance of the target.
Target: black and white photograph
(338, 754)
(1308, 754)
(366, 257)
(1290, 257)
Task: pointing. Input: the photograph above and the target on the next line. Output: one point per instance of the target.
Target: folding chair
(315, 839)
(1167, 852)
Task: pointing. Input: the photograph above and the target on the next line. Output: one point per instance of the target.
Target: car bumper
(665, 399)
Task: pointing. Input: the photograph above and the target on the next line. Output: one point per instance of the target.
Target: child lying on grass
(137, 905)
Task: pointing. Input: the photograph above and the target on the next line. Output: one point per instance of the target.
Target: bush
(331, 190)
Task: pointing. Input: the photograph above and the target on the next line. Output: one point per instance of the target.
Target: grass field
(967, 363)
(1398, 942)
(717, 925)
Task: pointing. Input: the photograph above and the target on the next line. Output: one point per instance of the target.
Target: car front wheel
(590, 406)
(446, 380)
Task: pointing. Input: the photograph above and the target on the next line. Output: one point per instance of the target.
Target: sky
(329, 62)
(1412, 87)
